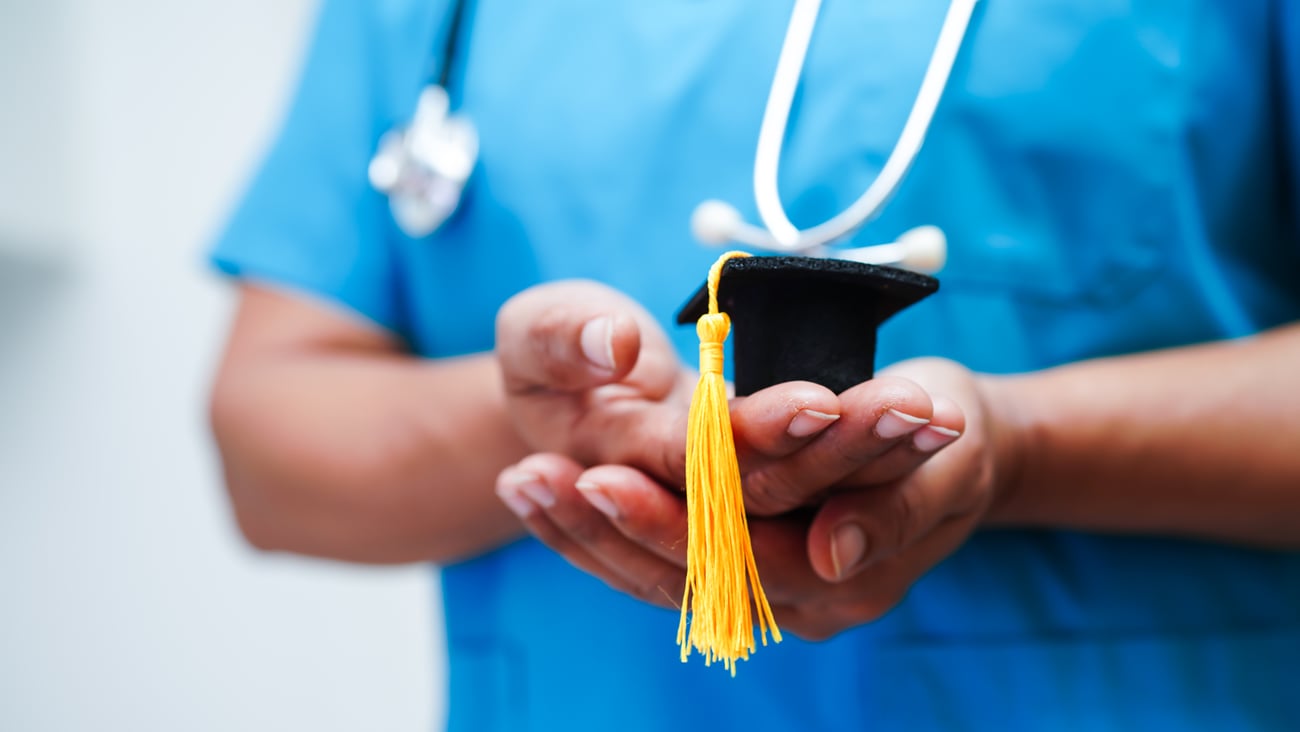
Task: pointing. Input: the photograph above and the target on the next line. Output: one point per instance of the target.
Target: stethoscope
(423, 167)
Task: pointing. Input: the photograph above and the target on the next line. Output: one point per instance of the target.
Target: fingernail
(932, 438)
(598, 498)
(848, 544)
(508, 491)
(894, 423)
(598, 342)
(520, 506)
(530, 485)
(808, 422)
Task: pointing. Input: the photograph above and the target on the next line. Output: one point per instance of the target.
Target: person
(1119, 185)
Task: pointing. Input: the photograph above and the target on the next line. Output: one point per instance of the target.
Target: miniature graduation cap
(797, 318)
(807, 319)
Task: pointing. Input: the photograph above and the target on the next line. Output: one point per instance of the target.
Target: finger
(568, 523)
(767, 425)
(641, 509)
(778, 420)
(883, 586)
(655, 519)
(565, 336)
(874, 417)
(894, 576)
(781, 555)
(519, 491)
(554, 343)
(575, 335)
(858, 529)
(947, 423)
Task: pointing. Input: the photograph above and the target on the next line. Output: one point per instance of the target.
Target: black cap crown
(807, 319)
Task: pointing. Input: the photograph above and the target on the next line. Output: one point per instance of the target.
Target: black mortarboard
(806, 318)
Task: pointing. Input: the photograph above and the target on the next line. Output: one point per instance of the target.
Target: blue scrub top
(1113, 177)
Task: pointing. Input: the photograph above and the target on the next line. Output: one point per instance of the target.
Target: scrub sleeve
(310, 221)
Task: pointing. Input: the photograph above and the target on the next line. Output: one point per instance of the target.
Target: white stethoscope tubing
(781, 235)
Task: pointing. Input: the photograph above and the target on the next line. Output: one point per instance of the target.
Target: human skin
(335, 443)
(1193, 442)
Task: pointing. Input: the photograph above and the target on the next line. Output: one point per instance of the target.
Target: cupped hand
(881, 503)
(621, 525)
(906, 526)
(588, 374)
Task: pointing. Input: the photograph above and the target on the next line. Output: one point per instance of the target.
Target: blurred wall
(127, 600)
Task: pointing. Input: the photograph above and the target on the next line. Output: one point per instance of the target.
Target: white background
(127, 600)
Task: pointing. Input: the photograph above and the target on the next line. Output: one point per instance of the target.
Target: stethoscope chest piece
(423, 167)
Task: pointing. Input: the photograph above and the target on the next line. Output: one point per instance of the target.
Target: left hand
(846, 562)
(588, 374)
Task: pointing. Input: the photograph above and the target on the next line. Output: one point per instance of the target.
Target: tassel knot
(712, 329)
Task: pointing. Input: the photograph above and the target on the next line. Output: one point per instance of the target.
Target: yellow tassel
(720, 569)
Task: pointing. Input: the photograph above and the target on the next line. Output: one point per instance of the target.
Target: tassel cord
(721, 571)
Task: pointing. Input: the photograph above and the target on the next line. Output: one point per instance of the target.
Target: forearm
(1201, 441)
(367, 457)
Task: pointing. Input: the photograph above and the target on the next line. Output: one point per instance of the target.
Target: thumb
(566, 337)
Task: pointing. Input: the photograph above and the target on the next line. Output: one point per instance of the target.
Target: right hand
(604, 490)
(589, 374)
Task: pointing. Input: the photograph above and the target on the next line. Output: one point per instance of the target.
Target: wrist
(1012, 445)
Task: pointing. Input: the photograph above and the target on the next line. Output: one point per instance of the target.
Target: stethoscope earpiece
(923, 249)
(715, 222)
